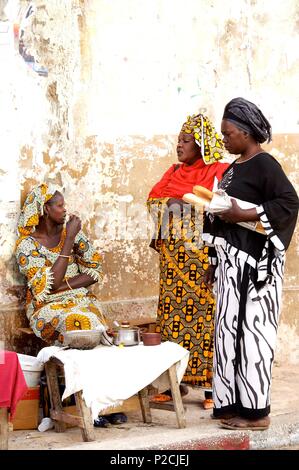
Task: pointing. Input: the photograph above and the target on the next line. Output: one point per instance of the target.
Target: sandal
(208, 404)
(117, 418)
(241, 424)
(167, 396)
(101, 422)
(160, 398)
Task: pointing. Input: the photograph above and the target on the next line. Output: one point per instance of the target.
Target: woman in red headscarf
(186, 304)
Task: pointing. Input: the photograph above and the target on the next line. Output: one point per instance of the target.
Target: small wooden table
(84, 419)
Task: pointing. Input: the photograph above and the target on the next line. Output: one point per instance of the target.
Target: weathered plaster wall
(122, 77)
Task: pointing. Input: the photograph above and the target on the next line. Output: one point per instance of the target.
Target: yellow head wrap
(205, 136)
(33, 207)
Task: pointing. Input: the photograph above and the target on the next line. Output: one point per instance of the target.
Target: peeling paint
(122, 77)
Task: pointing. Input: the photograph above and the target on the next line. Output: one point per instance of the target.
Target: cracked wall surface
(122, 77)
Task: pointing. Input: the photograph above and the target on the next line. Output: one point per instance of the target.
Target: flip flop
(160, 398)
(101, 422)
(117, 418)
(243, 428)
(208, 404)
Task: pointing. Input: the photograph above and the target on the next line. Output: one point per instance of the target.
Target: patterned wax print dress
(51, 315)
(186, 305)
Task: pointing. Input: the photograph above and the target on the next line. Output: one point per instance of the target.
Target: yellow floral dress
(50, 315)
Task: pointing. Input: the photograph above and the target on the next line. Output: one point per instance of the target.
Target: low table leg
(176, 397)
(56, 405)
(144, 405)
(87, 430)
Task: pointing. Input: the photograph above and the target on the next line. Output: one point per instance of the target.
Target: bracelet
(64, 256)
(68, 284)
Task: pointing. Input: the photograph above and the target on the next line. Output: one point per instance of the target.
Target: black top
(262, 181)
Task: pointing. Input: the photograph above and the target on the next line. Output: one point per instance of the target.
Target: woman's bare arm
(81, 280)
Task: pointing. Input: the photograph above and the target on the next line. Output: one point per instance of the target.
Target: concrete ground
(201, 431)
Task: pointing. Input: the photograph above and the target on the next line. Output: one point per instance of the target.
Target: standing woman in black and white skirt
(248, 269)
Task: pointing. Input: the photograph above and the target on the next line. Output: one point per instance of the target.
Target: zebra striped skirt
(245, 334)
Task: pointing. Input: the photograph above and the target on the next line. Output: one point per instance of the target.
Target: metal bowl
(82, 339)
(127, 336)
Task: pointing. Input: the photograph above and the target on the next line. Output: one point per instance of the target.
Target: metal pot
(127, 336)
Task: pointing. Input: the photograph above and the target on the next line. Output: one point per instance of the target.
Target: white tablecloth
(109, 375)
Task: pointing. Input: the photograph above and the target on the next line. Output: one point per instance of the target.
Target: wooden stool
(84, 420)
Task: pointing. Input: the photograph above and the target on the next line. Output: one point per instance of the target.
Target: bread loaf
(203, 193)
(202, 196)
(192, 199)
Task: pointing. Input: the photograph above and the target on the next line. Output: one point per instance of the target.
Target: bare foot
(224, 416)
(249, 424)
(184, 390)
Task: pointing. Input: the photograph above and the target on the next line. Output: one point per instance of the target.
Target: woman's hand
(209, 275)
(59, 268)
(235, 214)
(73, 226)
(232, 215)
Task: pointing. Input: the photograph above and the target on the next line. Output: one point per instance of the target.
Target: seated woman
(59, 263)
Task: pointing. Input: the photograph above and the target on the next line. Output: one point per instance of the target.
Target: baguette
(203, 193)
(203, 196)
(193, 199)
